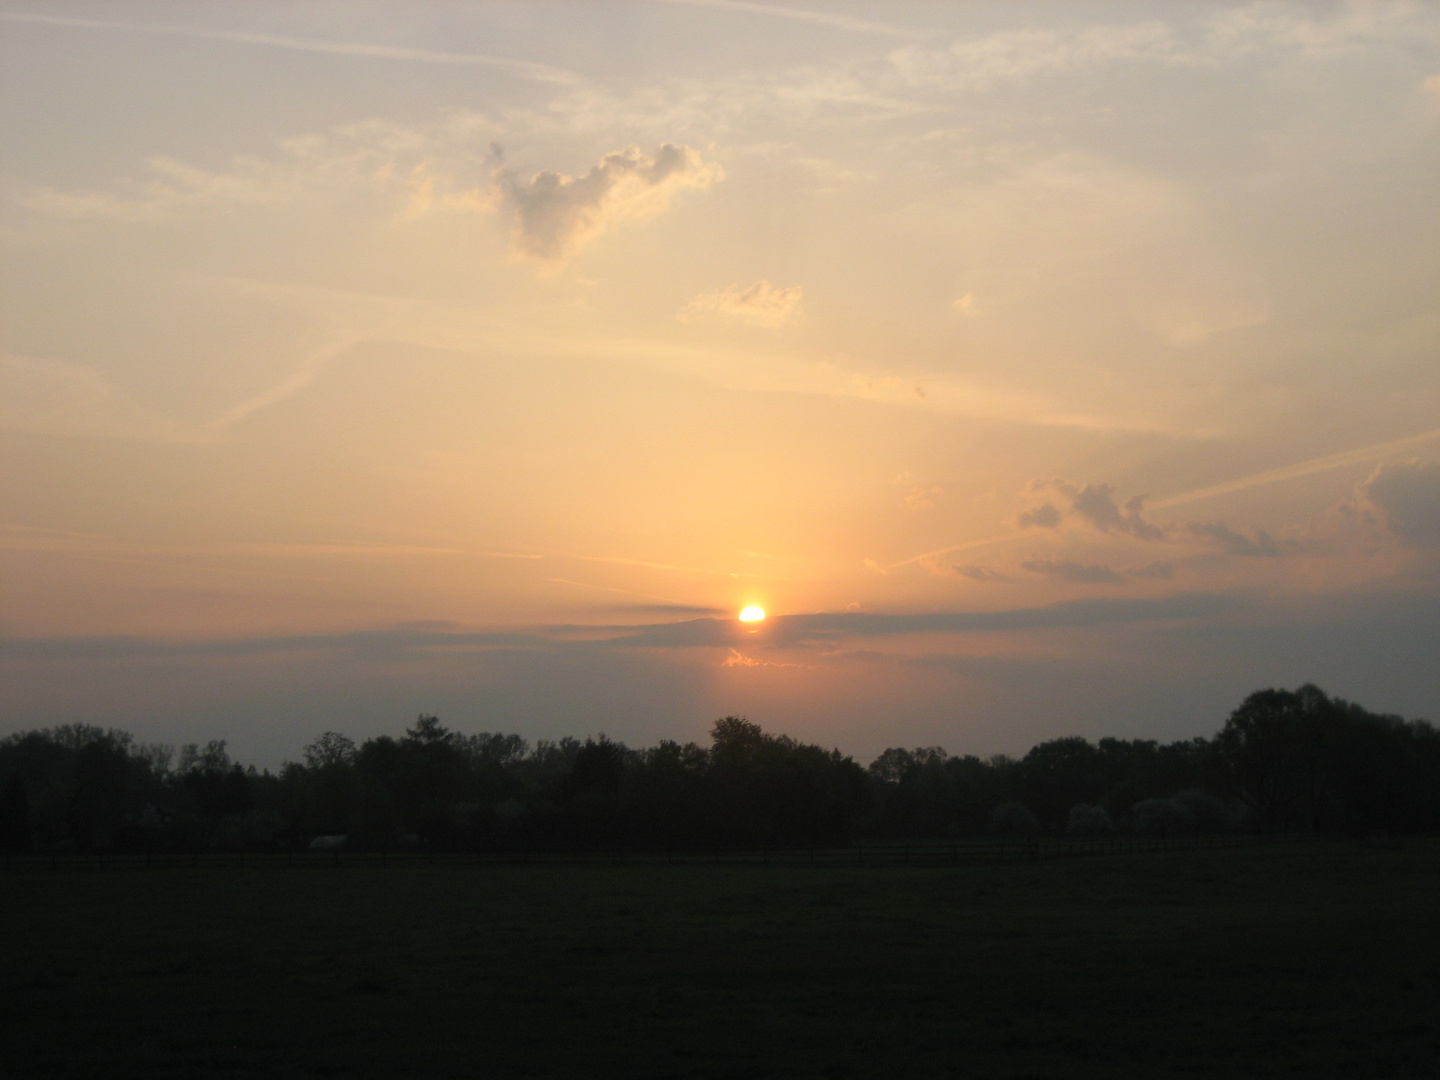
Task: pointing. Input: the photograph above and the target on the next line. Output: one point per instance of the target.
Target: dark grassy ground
(1306, 960)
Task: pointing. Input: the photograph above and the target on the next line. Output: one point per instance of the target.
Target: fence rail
(920, 853)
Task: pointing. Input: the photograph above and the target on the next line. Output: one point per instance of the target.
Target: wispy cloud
(760, 304)
(168, 185)
(978, 573)
(359, 49)
(782, 631)
(56, 397)
(822, 627)
(1075, 573)
(739, 659)
(776, 11)
(360, 158)
(980, 63)
(403, 638)
(1186, 37)
(35, 538)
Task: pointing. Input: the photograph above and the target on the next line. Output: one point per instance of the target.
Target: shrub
(1012, 818)
(1087, 819)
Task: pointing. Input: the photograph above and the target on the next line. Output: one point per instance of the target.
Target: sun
(752, 614)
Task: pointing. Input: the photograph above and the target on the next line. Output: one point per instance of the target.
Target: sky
(1040, 369)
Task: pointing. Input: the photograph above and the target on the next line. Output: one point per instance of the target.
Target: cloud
(760, 304)
(920, 497)
(1046, 516)
(1167, 680)
(170, 185)
(1018, 55)
(739, 659)
(360, 49)
(1163, 569)
(827, 627)
(1242, 31)
(777, 11)
(1095, 505)
(1254, 542)
(1407, 495)
(365, 158)
(1227, 35)
(1074, 572)
(407, 637)
(556, 215)
(978, 573)
(1311, 467)
(778, 631)
(60, 398)
(1396, 495)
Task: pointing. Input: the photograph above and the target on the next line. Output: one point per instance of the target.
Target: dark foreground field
(1306, 960)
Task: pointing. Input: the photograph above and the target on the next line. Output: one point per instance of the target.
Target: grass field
(1292, 960)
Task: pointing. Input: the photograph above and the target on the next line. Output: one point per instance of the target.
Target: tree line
(1284, 761)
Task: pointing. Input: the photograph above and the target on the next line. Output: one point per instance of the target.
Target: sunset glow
(1054, 369)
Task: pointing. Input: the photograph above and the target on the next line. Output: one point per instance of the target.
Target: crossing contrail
(1304, 468)
(1358, 456)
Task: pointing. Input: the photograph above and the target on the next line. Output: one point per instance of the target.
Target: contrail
(952, 549)
(540, 72)
(1304, 468)
(613, 589)
(823, 18)
(1271, 476)
(303, 376)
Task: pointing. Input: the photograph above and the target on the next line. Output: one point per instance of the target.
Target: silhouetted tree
(1014, 819)
(14, 817)
(1088, 820)
(1056, 775)
(1289, 759)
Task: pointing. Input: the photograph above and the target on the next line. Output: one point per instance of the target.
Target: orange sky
(1040, 369)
